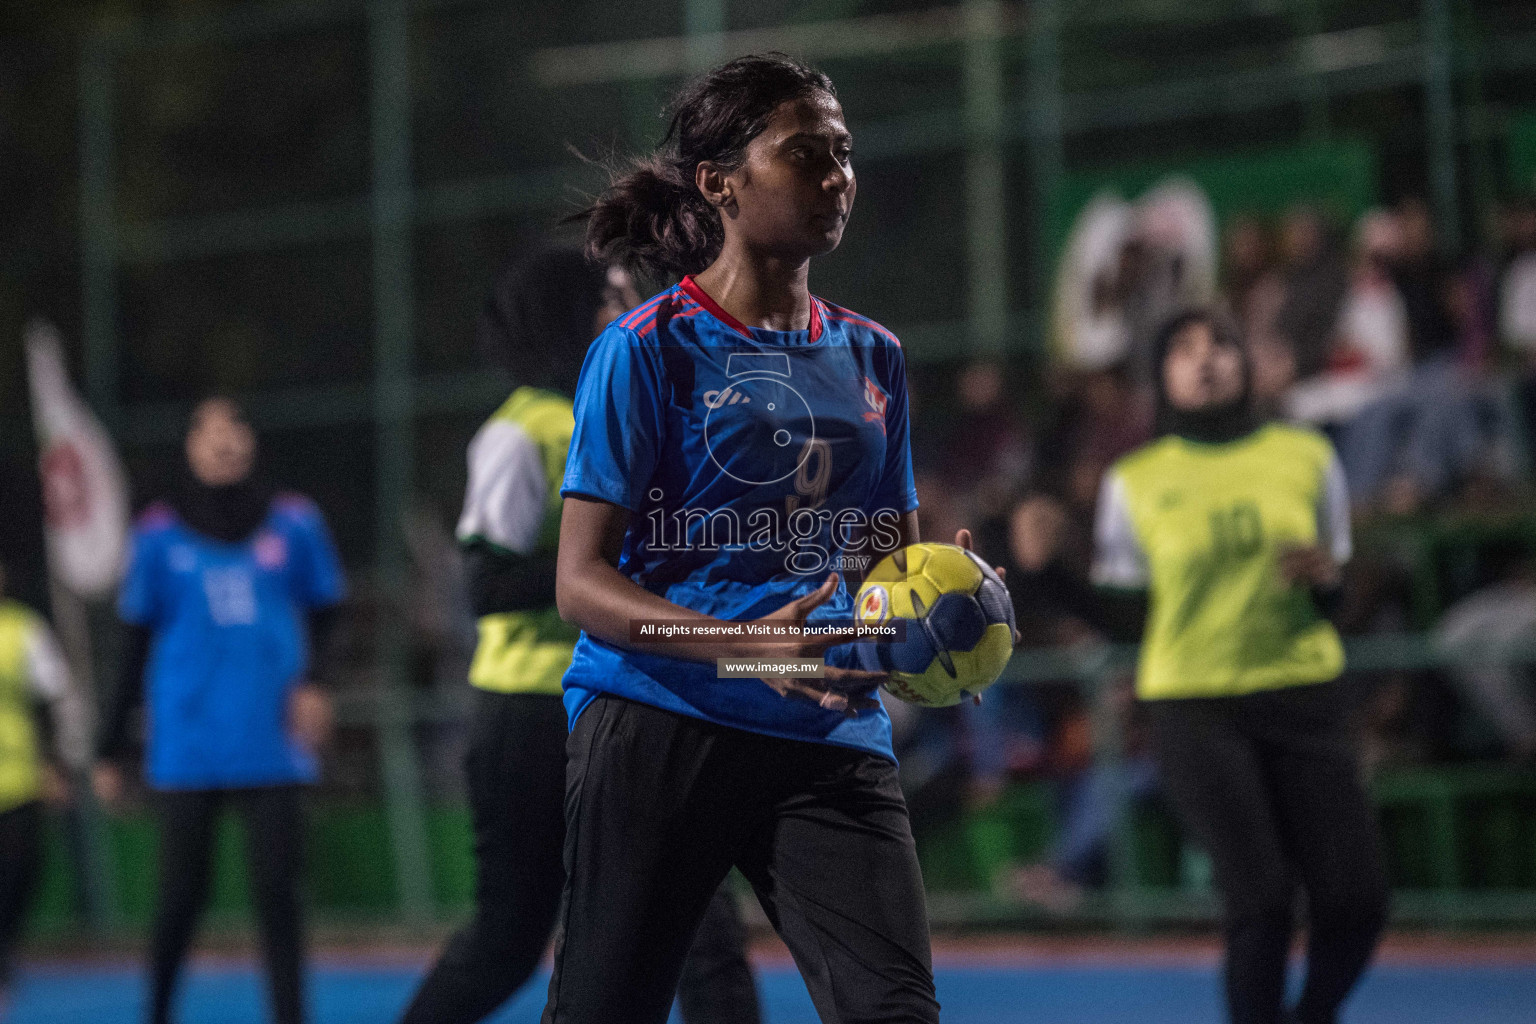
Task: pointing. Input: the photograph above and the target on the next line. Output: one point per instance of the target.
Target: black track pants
(660, 806)
(1270, 785)
(515, 770)
(274, 832)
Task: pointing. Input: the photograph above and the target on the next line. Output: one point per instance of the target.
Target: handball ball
(959, 632)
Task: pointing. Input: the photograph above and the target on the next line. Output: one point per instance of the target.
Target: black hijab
(228, 512)
(540, 318)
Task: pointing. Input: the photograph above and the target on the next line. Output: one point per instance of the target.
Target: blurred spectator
(1517, 303)
(1089, 330)
(1421, 276)
(1254, 285)
(1168, 264)
(1256, 292)
(1272, 369)
(1314, 281)
(1124, 269)
(1422, 436)
(1517, 285)
(983, 450)
(1008, 732)
(987, 453)
(1037, 727)
(1470, 301)
(940, 510)
(1098, 419)
(1369, 354)
(1494, 630)
(1247, 262)
(1372, 331)
(1047, 561)
(1089, 801)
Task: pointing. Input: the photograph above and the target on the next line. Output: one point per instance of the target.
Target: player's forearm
(505, 582)
(68, 709)
(128, 694)
(1119, 614)
(72, 726)
(591, 593)
(596, 597)
(322, 643)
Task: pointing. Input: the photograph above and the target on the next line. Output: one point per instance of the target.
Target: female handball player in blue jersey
(736, 440)
(228, 588)
(541, 316)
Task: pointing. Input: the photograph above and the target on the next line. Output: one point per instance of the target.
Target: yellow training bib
(529, 651)
(1212, 521)
(19, 781)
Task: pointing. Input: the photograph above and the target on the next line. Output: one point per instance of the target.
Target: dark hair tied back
(652, 216)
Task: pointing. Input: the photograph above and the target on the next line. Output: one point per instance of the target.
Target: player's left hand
(107, 783)
(963, 539)
(310, 716)
(1308, 565)
(847, 691)
(54, 786)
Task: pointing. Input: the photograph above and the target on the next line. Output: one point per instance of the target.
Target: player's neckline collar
(691, 288)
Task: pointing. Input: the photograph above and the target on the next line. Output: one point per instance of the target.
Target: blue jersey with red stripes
(229, 643)
(754, 462)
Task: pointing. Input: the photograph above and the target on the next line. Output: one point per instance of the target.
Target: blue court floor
(988, 992)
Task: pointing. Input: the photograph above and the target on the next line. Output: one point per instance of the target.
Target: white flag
(85, 496)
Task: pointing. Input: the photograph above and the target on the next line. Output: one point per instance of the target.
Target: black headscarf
(540, 318)
(1218, 424)
(229, 512)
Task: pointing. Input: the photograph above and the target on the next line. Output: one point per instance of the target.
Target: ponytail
(654, 221)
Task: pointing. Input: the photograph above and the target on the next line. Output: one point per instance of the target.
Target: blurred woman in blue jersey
(542, 314)
(736, 441)
(229, 587)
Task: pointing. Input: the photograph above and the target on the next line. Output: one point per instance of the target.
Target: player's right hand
(846, 690)
(1308, 565)
(54, 784)
(107, 782)
(311, 719)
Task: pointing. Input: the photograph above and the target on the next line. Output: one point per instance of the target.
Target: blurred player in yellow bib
(542, 313)
(1237, 530)
(32, 672)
